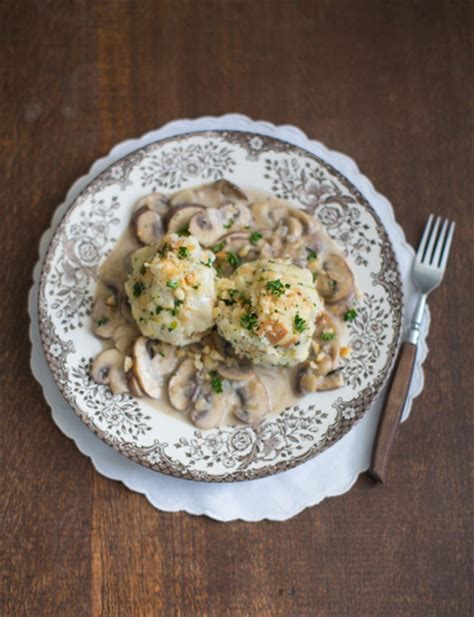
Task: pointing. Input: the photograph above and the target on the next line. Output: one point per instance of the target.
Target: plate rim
(328, 439)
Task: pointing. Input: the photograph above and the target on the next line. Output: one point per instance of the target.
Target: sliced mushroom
(209, 407)
(332, 381)
(267, 216)
(118, 381)
(153, 201)
(236, 217)
(304, 249)
(336, 281)
(229, 191)
(214, 194)
(307, 380)
(133, 385)
(105, 318)
(147, 225)
(290, 228)
(207, 226)
(151, 362)
(182, 385)
(104, 363)
(308, 221)
(124, 337)
(179, 216)
(254, 401)
(242, 372)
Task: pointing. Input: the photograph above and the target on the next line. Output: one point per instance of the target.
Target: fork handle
(392, 411)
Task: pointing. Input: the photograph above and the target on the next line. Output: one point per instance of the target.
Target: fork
(428, 271)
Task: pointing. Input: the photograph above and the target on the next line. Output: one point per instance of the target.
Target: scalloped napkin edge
(287, 493)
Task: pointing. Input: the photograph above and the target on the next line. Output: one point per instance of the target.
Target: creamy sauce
(280, 382)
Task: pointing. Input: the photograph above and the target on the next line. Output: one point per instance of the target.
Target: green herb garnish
(300, 324)
(158, 309)
(350, 315)
(207, 263)
(276, 288)
(312, 255)
(249, 321)
(216, 382)
(138, 289)
(183, 232)
(172, 284)
(173, 325)
(102, 321)
(233, 259)
(230, 223)
(218, 247)
(255, 237)
(327, 336)
(183, 252)
(174, 311)
(143, 269)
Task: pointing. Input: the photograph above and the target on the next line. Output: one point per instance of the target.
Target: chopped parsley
(312, 255)
(174, 311)
(350, 315)
(300, 323)
(218, 247)
(172, 284)
(249, 321)
(255, 237)
(183, 252)
(183, 232)
(276, 288)
(327, 336)
(216, 382)
(315, 276)
(102, 321)
(143, 269)
(333, 284)
(173, 325)
(233, 259)
(158, 309)
(230, 223)
(207, 263)
(138, 289)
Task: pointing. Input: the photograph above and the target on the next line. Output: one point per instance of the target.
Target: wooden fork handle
(392, 411)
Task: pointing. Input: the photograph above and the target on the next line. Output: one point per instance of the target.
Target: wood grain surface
(390, 84)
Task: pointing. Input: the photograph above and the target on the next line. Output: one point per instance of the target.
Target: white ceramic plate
(167, 443)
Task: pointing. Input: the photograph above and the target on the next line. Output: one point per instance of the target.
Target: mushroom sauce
(210, 380)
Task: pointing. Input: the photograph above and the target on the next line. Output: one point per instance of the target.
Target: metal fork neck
(414, 332)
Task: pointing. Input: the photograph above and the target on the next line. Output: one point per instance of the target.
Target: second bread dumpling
(267, 310)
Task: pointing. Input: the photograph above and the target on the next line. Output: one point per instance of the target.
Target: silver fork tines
(429, 265)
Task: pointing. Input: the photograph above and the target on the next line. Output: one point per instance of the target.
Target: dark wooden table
(389, 83)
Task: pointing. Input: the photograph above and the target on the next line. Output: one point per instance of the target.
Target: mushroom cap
(153, 201)
(179, 216)
(213, 194)
(207, 226)
(336, 282)
(151, 362)
(182, 385)
(254, 399)
(209, 407)
(105, 318)
(118, 381)
(242, 372)
(103, 363)
(147, 225)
